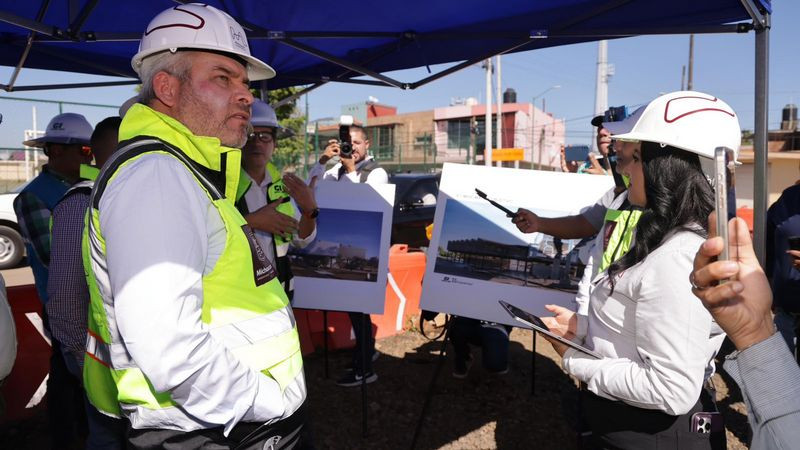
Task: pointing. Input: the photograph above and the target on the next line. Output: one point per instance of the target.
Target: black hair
(105, 126)
(679, 198)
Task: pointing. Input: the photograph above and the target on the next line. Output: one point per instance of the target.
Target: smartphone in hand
(723, 182)
(794, 242)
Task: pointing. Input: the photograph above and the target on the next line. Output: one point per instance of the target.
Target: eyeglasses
(263, 136)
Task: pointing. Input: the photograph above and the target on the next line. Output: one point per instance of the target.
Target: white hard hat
(688, 120)
(264, 116)
(67, 128)
(201, 27)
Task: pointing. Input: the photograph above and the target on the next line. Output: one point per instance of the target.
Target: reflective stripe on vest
(618, 242)
(253, 321)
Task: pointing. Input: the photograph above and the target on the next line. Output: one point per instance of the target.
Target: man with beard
(358, 167)
(191, 336)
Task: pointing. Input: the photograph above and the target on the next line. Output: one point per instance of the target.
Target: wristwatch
(312, 214)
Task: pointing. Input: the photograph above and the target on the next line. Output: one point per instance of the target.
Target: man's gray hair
(176, 64)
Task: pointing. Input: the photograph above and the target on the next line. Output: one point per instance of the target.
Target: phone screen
(527, 316)
(576, 153)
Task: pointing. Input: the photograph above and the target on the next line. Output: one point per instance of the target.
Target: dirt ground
(482, 411)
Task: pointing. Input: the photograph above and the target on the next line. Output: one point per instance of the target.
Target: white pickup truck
(12, 248)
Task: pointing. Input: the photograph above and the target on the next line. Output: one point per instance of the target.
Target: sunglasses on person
(85, 150)
(264, 136)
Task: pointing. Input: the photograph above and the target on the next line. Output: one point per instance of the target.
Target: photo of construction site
(479, 242)
(347, 247)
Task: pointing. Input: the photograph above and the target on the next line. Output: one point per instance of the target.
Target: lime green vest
(233, 296)
(618, 243)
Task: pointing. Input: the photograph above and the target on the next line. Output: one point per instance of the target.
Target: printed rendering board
(478, 257)
(344, 268)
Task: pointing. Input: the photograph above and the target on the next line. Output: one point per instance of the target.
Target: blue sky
(644, 66)
(357, 228)
(462, 222)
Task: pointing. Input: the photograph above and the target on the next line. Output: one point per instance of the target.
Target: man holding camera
(355, 166)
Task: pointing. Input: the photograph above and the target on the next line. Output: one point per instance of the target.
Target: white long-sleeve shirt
(658, 340)
(377, 176)
(256, 197)
(162, 235)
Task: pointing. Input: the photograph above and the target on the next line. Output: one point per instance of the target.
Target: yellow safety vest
(234, 298)
(617, 241)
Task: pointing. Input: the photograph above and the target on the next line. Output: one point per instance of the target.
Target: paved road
(18, 277)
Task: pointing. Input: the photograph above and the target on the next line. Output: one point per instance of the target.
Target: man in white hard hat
(264, 196)
(191, 336)
(66, 143)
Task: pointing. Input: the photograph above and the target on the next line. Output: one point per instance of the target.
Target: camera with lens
(615, 114)
(345, 144)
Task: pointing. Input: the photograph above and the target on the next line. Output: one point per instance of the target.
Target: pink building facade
(460, 128)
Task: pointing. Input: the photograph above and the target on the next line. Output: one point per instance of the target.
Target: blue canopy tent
(312, 42)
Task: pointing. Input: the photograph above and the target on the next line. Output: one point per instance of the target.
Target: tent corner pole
(760, 190)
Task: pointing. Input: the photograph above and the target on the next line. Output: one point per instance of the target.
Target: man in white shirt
(8, 340)
(190, 335)
(359, 167)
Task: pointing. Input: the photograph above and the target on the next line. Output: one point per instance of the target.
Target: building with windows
(421, 141)
(460, 133)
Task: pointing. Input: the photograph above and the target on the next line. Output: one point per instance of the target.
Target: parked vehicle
(414, 207)
(12, 249)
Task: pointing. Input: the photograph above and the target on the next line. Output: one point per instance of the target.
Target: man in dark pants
(359, 167)
(66, 144)
(68, 293)
(783, 262)
(491, 337)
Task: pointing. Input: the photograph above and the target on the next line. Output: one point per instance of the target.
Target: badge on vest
(263, 270)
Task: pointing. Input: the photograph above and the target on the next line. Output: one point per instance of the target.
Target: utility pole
(683, 77)
(604, 72)
(499, 110)
(305, 142)
(487, 151)
(690, 84)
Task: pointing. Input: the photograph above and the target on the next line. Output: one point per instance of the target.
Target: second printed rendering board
(478, 256)
(344, 268)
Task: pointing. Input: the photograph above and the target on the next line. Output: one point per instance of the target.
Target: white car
(12, 249)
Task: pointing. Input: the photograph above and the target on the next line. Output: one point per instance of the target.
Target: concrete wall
(783, 170)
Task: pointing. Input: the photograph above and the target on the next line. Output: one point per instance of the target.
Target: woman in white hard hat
(651, 387)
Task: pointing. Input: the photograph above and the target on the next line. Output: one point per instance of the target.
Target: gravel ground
(482, 411)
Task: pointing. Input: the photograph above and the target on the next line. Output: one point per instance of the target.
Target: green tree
(288, 151)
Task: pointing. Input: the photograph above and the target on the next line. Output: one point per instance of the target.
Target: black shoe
(461, 367)
(352, 379)
(499, 372)
(375, 356)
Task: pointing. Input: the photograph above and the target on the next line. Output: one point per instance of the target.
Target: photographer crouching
(355, 165)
